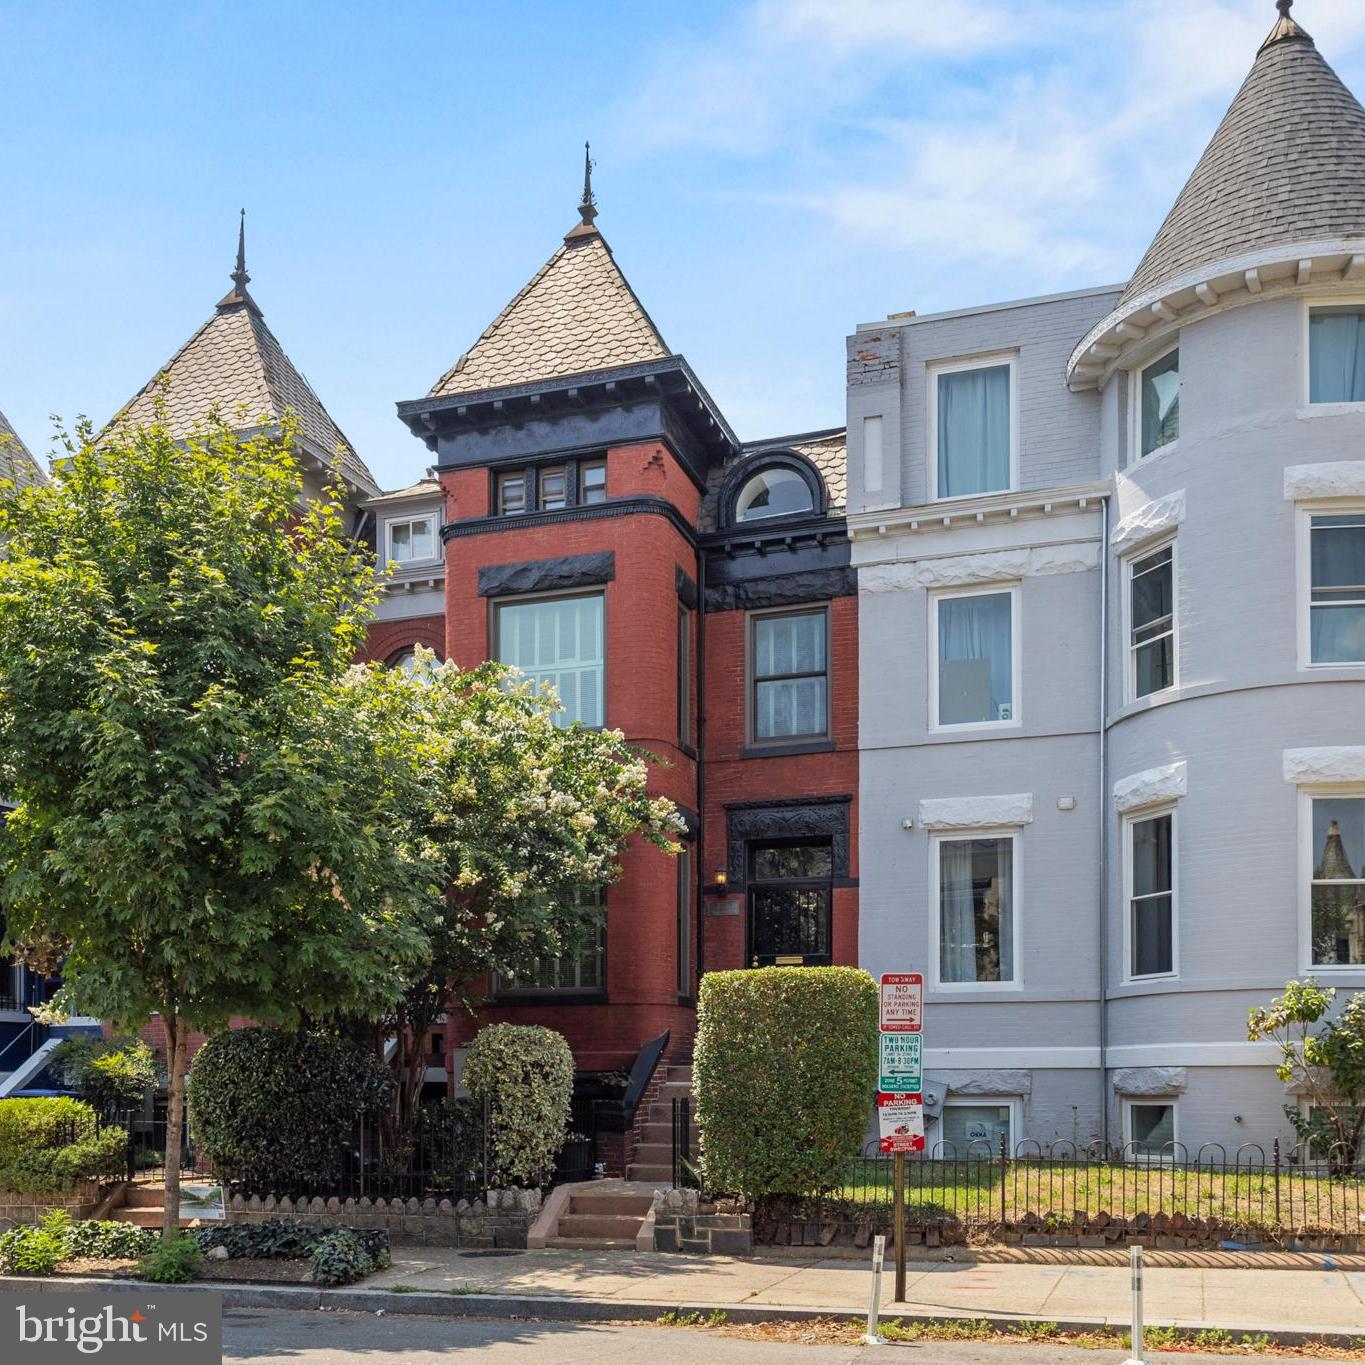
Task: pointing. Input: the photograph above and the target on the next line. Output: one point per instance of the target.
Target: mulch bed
(243, 1270)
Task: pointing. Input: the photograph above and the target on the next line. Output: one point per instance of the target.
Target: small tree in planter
(1327, 1067)
(113, 1074)
(525, 1073)
(785, 1069)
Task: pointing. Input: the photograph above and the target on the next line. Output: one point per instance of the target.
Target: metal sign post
(872, 1337)
(900, 1080)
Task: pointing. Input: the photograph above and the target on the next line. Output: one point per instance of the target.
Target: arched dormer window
(771, 486)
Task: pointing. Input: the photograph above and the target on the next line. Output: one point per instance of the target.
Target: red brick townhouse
(592, 519)
(604, 530)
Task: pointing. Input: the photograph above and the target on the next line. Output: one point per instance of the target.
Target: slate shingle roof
(577, 314)
(827, 451)
(17, 464)
(1287, 164)
(235, 364)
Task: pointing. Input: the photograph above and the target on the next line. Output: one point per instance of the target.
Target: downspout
(1102, 736)
(699, 691)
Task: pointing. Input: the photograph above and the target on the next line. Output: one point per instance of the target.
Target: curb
(564, 1309)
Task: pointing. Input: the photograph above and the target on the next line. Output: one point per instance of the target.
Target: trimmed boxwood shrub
(27, 1125)
(785, 1071)
(525, 1073)
(276, 1111)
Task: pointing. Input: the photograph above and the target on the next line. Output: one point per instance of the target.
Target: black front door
(790, 889)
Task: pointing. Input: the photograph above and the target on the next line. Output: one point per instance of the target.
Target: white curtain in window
(1337, 356)
(789, 706)
(975, 668)
(957, 912)
(974, 431)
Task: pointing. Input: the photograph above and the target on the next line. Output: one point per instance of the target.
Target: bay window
(1337, 884)
(789, 675)
(411, 540)
(972, 427)
(975, 898)
(560, 641)
(1336, 355)
(1159, 403)
(974, 659)
(581, 968)
(1151, 895)
(1151, 622)
(1336, 609)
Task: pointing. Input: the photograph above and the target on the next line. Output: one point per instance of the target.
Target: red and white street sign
(900, 1123)
(902, 997)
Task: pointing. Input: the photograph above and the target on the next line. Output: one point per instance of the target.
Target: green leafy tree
(212, 806)
(1324, 1059)
(522, 816)
(113, 1074)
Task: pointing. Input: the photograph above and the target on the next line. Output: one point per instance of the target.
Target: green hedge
(28, 1125)
(275, 1110)
(785, 1072)
(525, 1072)
(52, 1170)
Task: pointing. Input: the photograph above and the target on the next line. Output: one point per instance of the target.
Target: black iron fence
(578, 1156)
(1250, 1193)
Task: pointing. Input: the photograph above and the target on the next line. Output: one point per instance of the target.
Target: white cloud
(1045, 136)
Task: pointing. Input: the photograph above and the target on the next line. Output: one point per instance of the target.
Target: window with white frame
(975, 658)
(975, 1127)
(1151, 622)
(558, 640)
(1159, 403)
(1149, 1128)
(1336, 355)
(972, 427)
(581, 967)
(1336, 893)
(1151, 894)
(411, 540)
(976, 909)
(1336, 607)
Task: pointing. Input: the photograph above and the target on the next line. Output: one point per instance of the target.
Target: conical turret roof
(235, 365)
(17, 465)
(1286, 165)
(578, 314)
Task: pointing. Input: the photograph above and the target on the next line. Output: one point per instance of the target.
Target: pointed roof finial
(239, 277)
(587, 210)
(1285, 27)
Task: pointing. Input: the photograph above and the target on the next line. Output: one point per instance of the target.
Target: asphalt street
(282, 1337)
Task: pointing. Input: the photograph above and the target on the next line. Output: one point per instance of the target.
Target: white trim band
(1149, 521)
(977, 812)
(1339, 763)
(990, 566)
(1150, 787)
(1010, 1058)
(1335, 479)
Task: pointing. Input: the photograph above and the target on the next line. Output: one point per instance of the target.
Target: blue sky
(770, 173)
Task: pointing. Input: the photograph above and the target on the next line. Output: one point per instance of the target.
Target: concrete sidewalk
(1295, 1301)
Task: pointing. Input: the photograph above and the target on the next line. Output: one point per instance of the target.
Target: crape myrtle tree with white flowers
(217, 813)
(524, 816)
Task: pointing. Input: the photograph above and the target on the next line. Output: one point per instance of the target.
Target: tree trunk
(175, 1121)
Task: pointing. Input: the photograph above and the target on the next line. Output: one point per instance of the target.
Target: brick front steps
(653, 1157)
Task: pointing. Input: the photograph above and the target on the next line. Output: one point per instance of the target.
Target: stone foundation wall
(500, 1220)
(32, 1208)
(683, 1223)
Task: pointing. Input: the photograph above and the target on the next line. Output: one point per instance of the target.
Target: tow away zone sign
(902, 998)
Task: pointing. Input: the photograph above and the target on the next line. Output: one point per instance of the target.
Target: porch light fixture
(719, 883)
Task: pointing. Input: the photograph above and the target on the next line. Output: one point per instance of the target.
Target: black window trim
(530, 471)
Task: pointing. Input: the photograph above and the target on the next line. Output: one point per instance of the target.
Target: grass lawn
(979, 1191)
